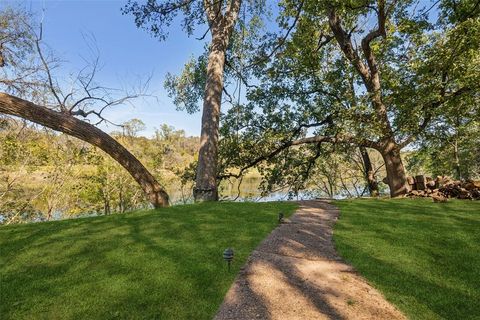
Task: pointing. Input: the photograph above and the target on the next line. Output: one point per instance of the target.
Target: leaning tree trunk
(84, 131)
(396, 175)
(206, 178)
(372, 183)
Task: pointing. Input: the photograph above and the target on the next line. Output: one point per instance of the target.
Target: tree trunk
(84, 131)
(206, 178)
(372, 183)
(106, 205)
(221, 27)
(458, 173)
(396, 175)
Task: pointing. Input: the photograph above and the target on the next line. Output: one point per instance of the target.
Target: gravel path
(295, 273)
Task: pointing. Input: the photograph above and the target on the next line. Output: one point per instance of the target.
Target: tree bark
(396, 175)
(82, 130)
(206, 182)
(372, 183)
(370, 74)
(458, 173)
(221, 26)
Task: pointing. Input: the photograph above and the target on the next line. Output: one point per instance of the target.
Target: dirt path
(295, 273)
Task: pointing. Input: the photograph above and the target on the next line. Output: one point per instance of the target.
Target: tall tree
(220, 17)
(221, 26)
(26, 72)
(406, 69)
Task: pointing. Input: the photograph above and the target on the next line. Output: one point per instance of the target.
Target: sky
(127, 54)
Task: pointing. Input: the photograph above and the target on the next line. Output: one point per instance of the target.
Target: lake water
(248, 190)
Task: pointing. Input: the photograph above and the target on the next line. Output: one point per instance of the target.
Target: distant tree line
(46, 175)
(335, 82)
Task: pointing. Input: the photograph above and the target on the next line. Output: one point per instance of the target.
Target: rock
(415, 193)
(463, 194)
(410, 180)
(431, 184)
(444, 187)
(438, 198)
(420, 182)
(475, 194)
(471, 185)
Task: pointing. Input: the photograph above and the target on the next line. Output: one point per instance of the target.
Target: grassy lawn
(164, 264)
(424, 256)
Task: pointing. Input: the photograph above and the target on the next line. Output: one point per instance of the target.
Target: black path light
(228, 256)
(280, 217)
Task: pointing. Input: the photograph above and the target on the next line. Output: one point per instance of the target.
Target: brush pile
(442, 188)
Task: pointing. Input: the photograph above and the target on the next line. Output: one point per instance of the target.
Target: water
(248, 190)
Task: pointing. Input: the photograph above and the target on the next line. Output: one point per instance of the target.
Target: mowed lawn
(157, 264)
(423, 256)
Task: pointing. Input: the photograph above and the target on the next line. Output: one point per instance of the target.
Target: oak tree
(372, 74)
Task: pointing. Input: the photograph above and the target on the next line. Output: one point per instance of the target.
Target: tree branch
(429, 114)
(66, 123)
(344, 40)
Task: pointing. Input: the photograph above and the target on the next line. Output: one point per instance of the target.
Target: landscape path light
(228, 256)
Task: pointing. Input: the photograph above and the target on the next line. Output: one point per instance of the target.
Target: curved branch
(282, 40)
(307, 140)
(82, 130)
(367, 50)
(344, 40)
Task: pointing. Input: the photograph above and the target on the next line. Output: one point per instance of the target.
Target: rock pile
(442, 188)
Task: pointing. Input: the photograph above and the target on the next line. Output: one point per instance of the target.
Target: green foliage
(187, 89)
(133, 127)
(164, 264)
(155, 17)
(423, 256)
(46, 175)
(429, 72)
(449, 149)
(457, 11)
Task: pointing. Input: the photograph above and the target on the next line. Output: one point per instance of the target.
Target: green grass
(164, 264)
(423, 256)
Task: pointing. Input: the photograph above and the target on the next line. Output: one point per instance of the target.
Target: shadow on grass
(296, 274)
(404, 288)
(148, 265)
(424, 256)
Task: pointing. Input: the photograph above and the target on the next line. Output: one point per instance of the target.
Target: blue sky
(126, 54)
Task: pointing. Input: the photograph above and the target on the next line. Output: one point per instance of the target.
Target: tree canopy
(362, 73)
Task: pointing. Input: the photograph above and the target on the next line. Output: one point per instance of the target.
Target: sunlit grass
(164, 264)
(424, 256)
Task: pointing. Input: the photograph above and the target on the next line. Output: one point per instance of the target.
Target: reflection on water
(246, 190)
